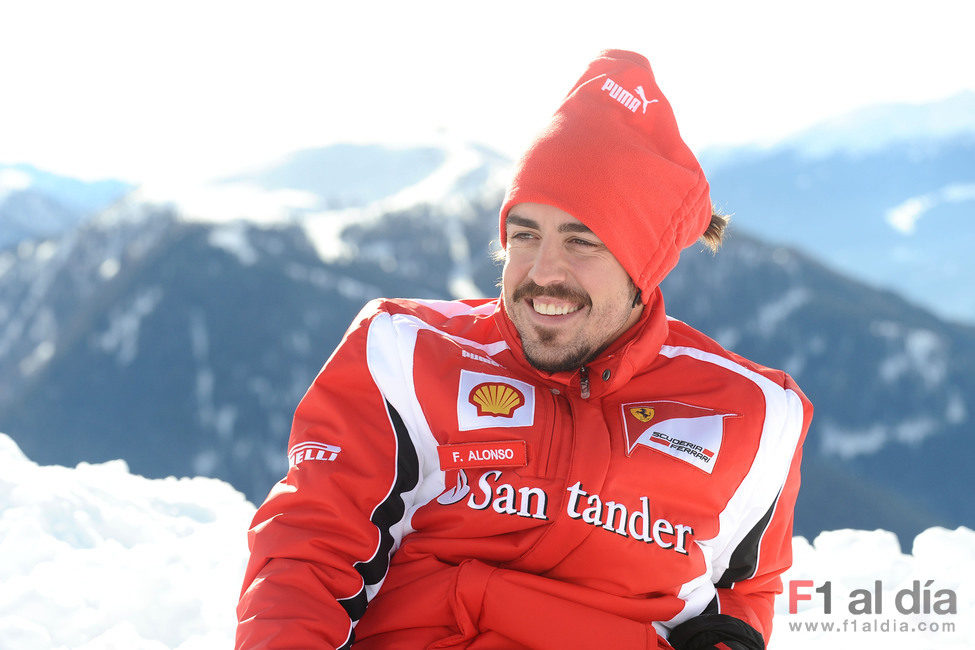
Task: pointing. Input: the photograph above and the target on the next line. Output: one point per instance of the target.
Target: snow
(459, 161)
(848, 443)
(728, 337)
(955, 411)
(871, 128)
(13, 180)
(772, 314)
(36, 360)
(121, 338)
(853, 562)
(324, 213)
(862, 132)
(904, 216)
(7, 260)
(220, 418)
(95, 558)
(231, 201)
(916, 429)
(232, 238)
(43, 329)
(45, 251)
(135, 208)
(109, 268)
(347, 286)
(324, 231)
(919, 352)
(281, 194)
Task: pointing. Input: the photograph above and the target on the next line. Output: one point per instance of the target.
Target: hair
(498, 253)
(714, 234)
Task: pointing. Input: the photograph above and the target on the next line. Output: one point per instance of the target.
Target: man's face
(566, 294)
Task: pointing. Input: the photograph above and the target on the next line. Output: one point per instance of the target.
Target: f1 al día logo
(919, 598)
(920, 607)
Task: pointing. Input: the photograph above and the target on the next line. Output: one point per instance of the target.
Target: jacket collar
(632, 352)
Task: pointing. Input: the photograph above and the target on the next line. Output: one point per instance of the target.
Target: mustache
(528, 289)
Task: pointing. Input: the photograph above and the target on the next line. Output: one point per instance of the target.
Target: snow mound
(878, 596)
(95, 558)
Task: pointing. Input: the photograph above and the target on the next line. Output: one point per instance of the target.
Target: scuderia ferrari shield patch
(486, 401)
(689, 433)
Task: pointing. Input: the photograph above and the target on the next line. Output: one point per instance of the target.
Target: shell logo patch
(686, 432)
(494, 398)
(487, 401)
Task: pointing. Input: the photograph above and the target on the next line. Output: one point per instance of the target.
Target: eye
(521, 235)
(584, 243)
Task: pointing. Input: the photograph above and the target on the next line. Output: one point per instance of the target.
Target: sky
(152, 91)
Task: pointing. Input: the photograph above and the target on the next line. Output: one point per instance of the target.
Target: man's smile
(566, 294)
(553, 308)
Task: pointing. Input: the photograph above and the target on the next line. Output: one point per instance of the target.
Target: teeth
(549, 309)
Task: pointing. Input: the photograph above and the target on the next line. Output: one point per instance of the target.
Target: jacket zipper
(584, 382)
(550, 444)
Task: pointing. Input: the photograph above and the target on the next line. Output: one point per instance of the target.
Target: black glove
(716, 632)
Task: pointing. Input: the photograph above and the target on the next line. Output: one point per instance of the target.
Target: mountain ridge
(192, 358)
(182, 341)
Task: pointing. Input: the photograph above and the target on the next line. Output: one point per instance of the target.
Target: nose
(549, 265)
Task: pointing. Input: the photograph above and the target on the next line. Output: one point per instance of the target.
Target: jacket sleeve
(746, 589)
(321, 542)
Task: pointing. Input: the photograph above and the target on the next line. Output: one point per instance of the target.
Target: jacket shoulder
(433, 312)
(466, 318)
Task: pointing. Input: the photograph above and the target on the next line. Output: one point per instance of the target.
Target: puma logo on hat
(626, 98)
(594, 151)
(646, 102)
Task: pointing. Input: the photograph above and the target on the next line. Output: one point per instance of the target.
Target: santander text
(504, 498)
(616, 518)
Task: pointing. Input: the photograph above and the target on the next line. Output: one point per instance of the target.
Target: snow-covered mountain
(183, 347)
(342, 179)
(35, 204)
(885, 194)
(870, 129)
(96, 558)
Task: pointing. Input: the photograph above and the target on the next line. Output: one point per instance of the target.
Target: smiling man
(561, 467)
(564, 291)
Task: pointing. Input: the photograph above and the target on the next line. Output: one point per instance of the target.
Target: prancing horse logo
(643, 414)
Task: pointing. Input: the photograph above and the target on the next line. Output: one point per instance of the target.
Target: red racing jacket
(443, 493)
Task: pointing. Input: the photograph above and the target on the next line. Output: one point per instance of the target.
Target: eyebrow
(515, 220)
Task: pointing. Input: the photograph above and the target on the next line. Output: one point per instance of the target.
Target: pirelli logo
(312, 451)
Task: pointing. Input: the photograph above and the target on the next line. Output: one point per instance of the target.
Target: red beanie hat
(612, 158)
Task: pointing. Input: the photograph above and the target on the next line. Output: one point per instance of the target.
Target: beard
(536, 339)
(541, 345)
(569, 360)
